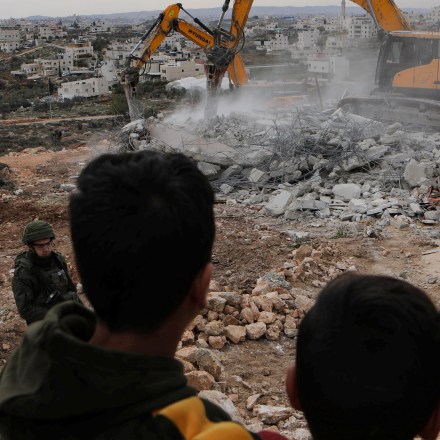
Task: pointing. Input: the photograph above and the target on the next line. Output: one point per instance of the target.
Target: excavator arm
(221, 47)
(385, 13)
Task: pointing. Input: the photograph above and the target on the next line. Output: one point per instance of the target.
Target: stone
(272, 414)
(301, 434)
(235, 333)
(68, 187)
(263, 304)
(277, 302)
(346, 191)
(269, 282)
(200, 380)
(217, 342)
(230, 320)
(251, 401)
(353, 162)
(233, 170)
(298, 235)
(302, 252)
(187, 354)
(214, 328)
(358, 205)
(232, 298)
(210, 170)
(303, 302)
(416, 174)
(290, 327)
(223, 401)
(415, 207)
(278, 203)
(256, 330)
(258, 176)
(188, 366)
(432, 215)
(208, 361)
(273, 333)
(187, 338)
(226, 189)
(248, 314)
(267, 317)
(215, 302)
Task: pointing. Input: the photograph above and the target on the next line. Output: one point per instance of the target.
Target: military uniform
(40, 283)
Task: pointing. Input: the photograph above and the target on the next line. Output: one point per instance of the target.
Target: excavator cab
(409, 62)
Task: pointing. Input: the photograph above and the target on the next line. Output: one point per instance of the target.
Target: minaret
(342, 10)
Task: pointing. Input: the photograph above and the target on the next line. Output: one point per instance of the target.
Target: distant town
(82, 55)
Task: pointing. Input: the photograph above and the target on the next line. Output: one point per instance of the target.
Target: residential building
(85, 88)
(55, 66)
(280, 42)
(335, 67)
(174, 70)
(308, 38)
(360, 27)
(9, 39)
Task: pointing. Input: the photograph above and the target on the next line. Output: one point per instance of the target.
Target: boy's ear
(200, 285)
(291, 387)
(432, 427)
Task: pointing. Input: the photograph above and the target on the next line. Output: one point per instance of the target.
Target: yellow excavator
(221, 47)
(407, 73)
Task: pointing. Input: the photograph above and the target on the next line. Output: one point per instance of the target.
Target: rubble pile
(271, 311)
(327, 164)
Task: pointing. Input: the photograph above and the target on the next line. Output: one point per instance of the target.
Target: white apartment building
(360, 27)
(30, 69)
(249, 31)
(118, 52)
(280, 42)
(336, 67)
(55, 66)
(180, 69)
(433, 15)
(50, 32)
(109, 72)
(335, 43)
(271, 26)
(9, 40)
(99, 27)
(77, 50)
(308, 38)
(173, 41)
(85, 88)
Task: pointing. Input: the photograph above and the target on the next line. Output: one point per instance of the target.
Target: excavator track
(395, 108)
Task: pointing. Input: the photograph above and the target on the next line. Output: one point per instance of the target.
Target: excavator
(407, 72)
(221, 47)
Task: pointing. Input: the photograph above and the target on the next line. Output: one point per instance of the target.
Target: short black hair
(368, 360)
(142, 227)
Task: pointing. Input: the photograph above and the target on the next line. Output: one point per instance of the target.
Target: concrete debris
(308, 164)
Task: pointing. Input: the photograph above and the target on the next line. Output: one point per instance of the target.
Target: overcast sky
(61, 8)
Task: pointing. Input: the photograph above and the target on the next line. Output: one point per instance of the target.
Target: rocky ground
(280, 237)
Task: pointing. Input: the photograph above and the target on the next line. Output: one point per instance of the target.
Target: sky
(62, 8)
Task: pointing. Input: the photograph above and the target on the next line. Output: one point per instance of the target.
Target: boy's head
(368, 360)
(142, 228)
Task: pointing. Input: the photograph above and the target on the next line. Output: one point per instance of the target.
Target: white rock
(223, 402)
(347, 191)
(278, 203)
(256, 330)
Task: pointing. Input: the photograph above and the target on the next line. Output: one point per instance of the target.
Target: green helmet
(37, 230)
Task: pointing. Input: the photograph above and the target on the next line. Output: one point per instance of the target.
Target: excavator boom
(221, 47)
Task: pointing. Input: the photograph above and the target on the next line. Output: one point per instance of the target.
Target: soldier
(41, 278)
